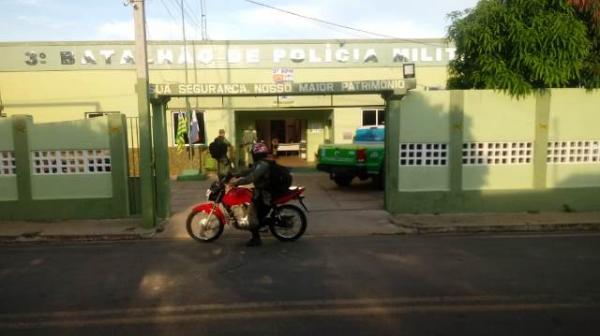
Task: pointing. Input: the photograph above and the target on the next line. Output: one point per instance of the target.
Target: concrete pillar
(147, 182)
(161, 157)
(21, 124)
(455, 146)
(117, 133)
(542, 122)
(392, 146)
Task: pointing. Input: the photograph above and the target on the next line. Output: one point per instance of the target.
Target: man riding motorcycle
(259, 176)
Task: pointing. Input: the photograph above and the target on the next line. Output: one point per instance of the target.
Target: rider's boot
(255, 240)
(264, 226)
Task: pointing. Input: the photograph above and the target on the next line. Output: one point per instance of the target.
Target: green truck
(364, 158)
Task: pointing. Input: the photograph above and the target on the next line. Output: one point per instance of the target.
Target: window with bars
(423, 154)
(201, 129)
(373, 117)
(573, 152)
(497, 153)
(8, 164)
(61, 162)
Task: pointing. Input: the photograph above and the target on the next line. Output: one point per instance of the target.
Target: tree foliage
(589, 7)
(518, 46)
(589, 12)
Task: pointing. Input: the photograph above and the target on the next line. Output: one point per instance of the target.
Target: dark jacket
(258, 175)
(223, 140)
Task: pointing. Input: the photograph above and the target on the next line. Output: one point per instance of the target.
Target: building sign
(288, 88)
(278, 55)
(281, 75)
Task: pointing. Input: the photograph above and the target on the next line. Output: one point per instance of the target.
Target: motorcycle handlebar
(225, 178)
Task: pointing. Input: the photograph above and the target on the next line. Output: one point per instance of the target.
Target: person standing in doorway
(248, 140)
(274, 146)
(219, 150)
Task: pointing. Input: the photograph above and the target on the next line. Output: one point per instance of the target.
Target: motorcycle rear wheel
(288, 224)
(198, 224)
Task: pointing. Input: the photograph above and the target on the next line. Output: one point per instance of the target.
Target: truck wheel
(343, 180)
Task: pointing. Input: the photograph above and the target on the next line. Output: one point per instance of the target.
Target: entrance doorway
(293, 136)
(285, 137)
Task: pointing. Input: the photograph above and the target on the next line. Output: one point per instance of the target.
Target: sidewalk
(320, 223)
(497, 222)
(105, 229)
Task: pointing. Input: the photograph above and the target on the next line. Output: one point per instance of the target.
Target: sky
(83, 20)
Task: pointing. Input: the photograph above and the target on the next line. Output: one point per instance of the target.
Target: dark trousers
(262, 210)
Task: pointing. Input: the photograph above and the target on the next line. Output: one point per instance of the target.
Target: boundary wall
(483, 151)
(72, 169)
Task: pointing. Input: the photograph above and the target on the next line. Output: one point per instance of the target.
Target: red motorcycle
(206, 221)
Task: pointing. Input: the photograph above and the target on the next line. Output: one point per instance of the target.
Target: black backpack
(280, 178)
(217, 149)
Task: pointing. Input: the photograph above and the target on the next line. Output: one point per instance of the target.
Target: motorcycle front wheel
(202, 228)
(288, 223)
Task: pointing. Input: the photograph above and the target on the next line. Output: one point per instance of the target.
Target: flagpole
(1, 105)
(185, 59)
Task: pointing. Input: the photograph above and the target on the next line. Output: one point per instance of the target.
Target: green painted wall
(487, 116)
(71, 186)
(573, 112)
(6, 135)
(577, 199)
(8, 188)
(496, 117)
(8, 184)
(345, 121)
(497, 177)
(574, 116)
(492, 116)
(571, 176)
(424, 118)
(423, 179)
(76, 134)
(69, 196)
(71, 135)
(68, 95)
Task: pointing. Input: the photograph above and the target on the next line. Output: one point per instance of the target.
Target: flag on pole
(181, 131)
(194, 134)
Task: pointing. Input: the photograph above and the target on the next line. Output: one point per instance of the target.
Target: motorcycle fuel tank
(237, 196)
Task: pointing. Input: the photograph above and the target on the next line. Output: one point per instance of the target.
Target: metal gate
(133, 145)
(133, 164)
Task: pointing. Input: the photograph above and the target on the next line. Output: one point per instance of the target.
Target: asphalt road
(370, 285)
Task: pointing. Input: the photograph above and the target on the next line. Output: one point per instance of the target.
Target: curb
(81, 238)
(117, 234)
(406, 228)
